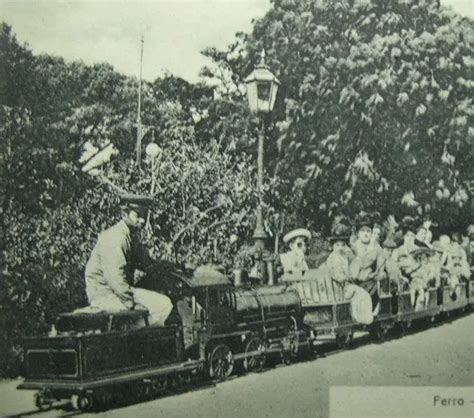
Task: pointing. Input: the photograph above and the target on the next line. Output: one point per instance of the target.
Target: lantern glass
(273, 95)
(252, 96)
(263, 90)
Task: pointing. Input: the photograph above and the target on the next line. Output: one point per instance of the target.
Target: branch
(105, 180)
(191, 226)
(216, 223)
(84, 163)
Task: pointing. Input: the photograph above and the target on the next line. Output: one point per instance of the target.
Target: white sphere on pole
(152, 150)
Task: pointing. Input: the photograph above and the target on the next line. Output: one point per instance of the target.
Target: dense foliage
(375, 112)
(56, 115)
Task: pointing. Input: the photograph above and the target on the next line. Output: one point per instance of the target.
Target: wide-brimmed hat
(135, 201)
(436, 246)
(340, 231)
(422, 250)
(422, 244)
(300, 232)
(363, 219)
(409, 223)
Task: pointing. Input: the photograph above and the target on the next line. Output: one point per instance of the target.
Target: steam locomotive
(96, 360)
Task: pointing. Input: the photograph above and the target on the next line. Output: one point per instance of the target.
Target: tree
(377, 110)
(57, 116)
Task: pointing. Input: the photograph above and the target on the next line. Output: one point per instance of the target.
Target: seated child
(421, 277)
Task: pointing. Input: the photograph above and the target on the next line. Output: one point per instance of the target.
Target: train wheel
(255, 362)
(286, 358)
(180, 380)
(344, 340)
(221, 362)
(42, 403)
(381, 333)
(82, 402)
(159, 385)
(140, 390)
(104, 398)
(404, 327)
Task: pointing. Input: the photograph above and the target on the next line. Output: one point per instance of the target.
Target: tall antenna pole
(139, 119)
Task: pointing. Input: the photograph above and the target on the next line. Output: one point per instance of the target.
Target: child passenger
(422, 277)
(397, 282)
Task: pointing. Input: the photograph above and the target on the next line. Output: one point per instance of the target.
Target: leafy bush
(53, 212)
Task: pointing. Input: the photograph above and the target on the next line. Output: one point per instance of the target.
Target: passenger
(421, 277)
(338, 260)
(402, 255)
(338, 270)
(367, 266)
(112, 263)
(435, 263)
(397, 282)
(457, 269)
(470, 247)
(459, 252)
(442, 247)
(423, 233)
(293, 261)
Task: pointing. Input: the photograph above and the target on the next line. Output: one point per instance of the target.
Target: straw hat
(300, 232)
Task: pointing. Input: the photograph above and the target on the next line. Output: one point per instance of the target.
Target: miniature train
(98, 358)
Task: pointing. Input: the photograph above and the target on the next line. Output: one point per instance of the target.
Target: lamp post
(153, 151)
(262, 87)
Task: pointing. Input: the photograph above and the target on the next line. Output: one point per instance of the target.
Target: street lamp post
(262, 87)
(153, 152)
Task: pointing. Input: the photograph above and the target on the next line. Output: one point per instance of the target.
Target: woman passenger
(402, 255)
(337, 268)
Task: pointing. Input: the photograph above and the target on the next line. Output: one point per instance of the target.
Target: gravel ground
(439, 356)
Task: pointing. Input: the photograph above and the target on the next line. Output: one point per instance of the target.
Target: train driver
(113, 261)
